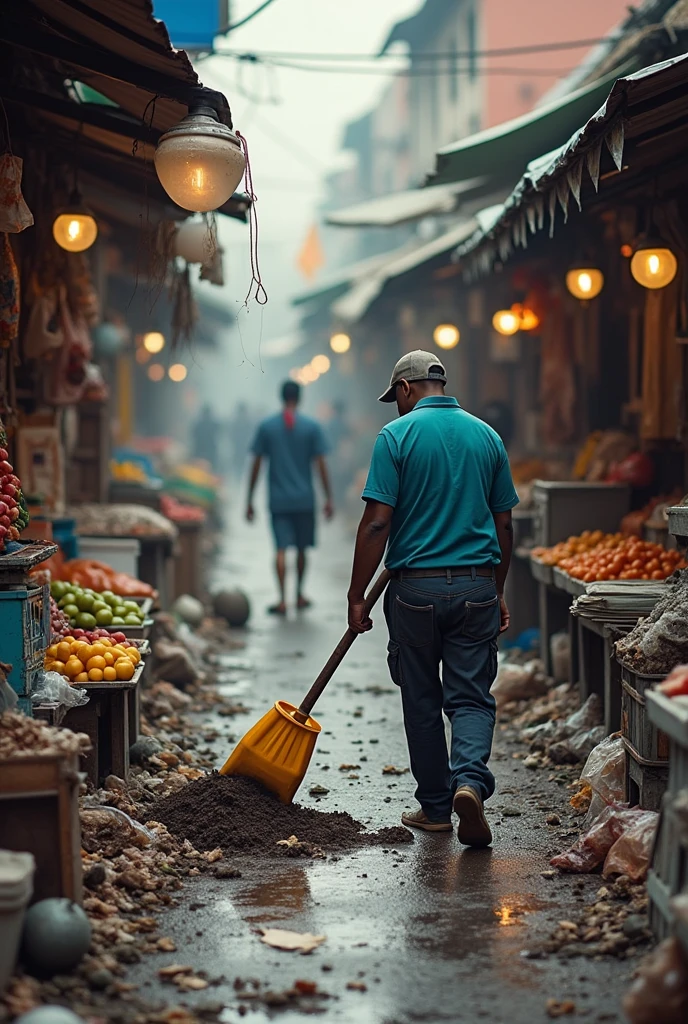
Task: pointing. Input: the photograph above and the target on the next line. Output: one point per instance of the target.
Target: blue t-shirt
(444, 472)
(291, 451)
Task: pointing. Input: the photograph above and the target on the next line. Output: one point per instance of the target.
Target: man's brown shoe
(419, 819)
(473, 827)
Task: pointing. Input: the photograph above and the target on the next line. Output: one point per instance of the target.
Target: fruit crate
(649, 743)
(39, 814)
(24, 634)
(646, 781)
(670, 714)
(541, 572)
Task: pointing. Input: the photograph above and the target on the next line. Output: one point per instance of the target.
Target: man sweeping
(291, 442)
(439, 497)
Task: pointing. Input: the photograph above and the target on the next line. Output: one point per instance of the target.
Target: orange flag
(311, 257)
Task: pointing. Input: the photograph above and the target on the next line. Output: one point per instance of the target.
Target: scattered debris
(280, 938)
(555, 1008)
(390, 769)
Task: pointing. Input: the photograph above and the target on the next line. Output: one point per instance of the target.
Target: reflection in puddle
(281, 895)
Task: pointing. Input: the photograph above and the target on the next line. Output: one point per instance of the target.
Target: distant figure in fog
(204, 437)
(291, 442)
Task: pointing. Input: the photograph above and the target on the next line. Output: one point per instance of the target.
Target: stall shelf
(39, 814)
(107, 721)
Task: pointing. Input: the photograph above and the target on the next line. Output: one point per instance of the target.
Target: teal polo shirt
(445, 473)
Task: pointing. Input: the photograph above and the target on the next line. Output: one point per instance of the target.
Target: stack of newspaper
(620, 602)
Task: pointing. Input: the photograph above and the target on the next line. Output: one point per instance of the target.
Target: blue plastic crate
(24, 633)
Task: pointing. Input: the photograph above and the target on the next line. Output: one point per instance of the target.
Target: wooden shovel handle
(338, 654)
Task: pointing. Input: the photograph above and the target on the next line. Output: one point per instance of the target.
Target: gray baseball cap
(418, 365)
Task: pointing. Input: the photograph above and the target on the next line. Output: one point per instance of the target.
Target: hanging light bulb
(506, 321)
(199, 161)
(154, 341)
(75, 228)
(320, 364)
(653, 264)
(446, 336)
(177, 372)
(528, 320)
(340, 343)
(584, 282)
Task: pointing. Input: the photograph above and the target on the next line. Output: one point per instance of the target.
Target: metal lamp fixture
(584, 282)
(199, 161)
(75, 228)
(446, 336)
(653, 264)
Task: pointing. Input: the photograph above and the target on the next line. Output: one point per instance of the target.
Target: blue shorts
(293, 530)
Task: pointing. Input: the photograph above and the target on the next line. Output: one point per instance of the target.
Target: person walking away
(439, 496)
(291, 442)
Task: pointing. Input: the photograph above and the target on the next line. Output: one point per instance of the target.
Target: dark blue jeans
(456, 624)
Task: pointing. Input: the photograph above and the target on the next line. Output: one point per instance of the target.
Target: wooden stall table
(554, 605)
(39, 814)
(107, 721)
(188, 562)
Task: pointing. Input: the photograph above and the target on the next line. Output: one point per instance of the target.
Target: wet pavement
(430, 931)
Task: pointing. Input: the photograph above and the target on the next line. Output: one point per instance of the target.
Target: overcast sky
(293, 142)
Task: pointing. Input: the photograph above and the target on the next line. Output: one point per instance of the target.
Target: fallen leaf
(291, 841)
(214, 855)
(357, 986)
(348, 767)
(172, 970)
(280, 938)
(318, 791)
(391, 769)
(166, 945)
(190, 982)
(306, 988)
(555, 1008)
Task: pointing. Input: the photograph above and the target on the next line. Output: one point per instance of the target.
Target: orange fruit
(51, 652)
(73, 667)
(81, 678)
(110, 658)
(124, 668)
(95, 675)
(82, 650)
(106, 641)
(96, 663)
(98, 650)
(110, 674)
(133, 654)
(68, 640)
(63, 651)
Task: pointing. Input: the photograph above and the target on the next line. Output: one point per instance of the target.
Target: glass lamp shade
(506, 321)
(653, 265)
(584, 282)
(199, 162)
(75, 229)
(446, 336)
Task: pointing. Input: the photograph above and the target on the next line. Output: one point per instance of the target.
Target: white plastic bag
(54, 687)
(605, 773)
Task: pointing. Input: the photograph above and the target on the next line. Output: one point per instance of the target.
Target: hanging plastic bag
(631, 853)
(54, 687)
(15, 216)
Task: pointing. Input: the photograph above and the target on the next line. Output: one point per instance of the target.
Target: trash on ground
(281, 938)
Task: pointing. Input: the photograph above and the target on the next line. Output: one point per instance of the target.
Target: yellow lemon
(96, 662)
(110, 674)
(124, 668)
(95, 675)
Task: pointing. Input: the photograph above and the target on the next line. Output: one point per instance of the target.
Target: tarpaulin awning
(353, 305)
(403, 207)
(500, 153)
(640, 107)
(333, 284)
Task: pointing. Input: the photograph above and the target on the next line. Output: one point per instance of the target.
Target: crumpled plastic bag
(605, 773)
(518, 682)
(577, 747)
(8, 698)
(659, 994)
(591, 849)
(54, 687)
(586, 717)
(631, 853)
(174, 663)
(560, 652)
(110, 831)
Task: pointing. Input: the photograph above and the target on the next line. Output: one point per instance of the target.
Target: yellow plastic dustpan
(277, 750)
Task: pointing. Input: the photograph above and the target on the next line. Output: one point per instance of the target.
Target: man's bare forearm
(255, 473)
(371, 541)
(505, 536)
(325, 478)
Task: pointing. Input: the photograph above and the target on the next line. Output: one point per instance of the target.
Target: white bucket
(16, 888)
(120, 553)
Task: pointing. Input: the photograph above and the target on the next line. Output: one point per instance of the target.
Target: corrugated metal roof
(632, 108)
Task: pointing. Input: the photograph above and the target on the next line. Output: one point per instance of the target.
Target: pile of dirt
(240, 816)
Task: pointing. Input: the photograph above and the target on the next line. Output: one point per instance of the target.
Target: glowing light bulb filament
(653, 263)
(73, 230)
(585, 282)
(197, 179)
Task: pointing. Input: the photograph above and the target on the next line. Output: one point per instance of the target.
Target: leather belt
(461, 570)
